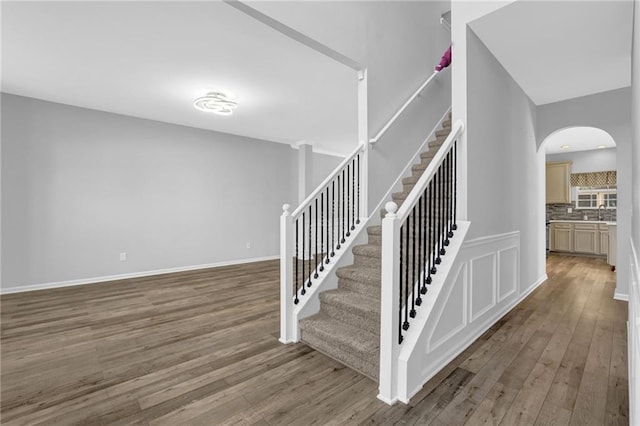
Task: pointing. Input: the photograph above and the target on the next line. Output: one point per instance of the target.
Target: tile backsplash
(559, 212)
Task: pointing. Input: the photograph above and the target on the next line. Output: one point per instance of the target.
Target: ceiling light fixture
(565, 147)
(216, 102)
(601, 146)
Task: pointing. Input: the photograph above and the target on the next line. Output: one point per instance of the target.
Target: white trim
(316, 150)
(490, 239)
(621, 296)
(107, 278)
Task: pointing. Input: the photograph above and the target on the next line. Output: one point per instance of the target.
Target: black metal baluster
(322, 226)
(438, 215)
(421, 247)
(442, 210)
(450, 190)
(296, 300)
(432, 252)
(338, 239)
(353, 194)
(309, 264)
(400, 338)
(315, 255)
(333, 217)
(303, 291)
(412, 314)
(405, 325)
(348, 202)
(447, 195)
(342, 240)
(455, 183)
(358, 218)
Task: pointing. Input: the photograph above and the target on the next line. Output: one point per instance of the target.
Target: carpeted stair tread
(353, 308)
(368, 250)
(374, 230)
(354, 273)
(350, 345)
(347, 327)
(360, 279)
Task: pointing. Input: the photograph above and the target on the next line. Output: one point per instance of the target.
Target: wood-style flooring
(201, 348)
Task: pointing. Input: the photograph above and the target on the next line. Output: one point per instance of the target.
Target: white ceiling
(578, 139)
(557, 50)
(152, 59)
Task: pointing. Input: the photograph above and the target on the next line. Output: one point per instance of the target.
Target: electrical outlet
(123, 257)
(248, 244)
(569, 210)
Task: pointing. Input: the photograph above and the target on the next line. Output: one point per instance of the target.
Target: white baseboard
(621, 296)
(97, 280)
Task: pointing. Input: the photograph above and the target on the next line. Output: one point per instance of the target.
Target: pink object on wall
(445, 61)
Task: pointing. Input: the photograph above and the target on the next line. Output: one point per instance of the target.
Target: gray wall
(595, 160)
(321, 166)
(503, 163)
(635, 81)
(611, 112)
(399, 42)
(80, 186)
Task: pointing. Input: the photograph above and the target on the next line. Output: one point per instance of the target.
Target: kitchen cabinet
(603, 229)
(562, 237)
(585, 238)
(613, 240)
(580, 238)
(558, 182)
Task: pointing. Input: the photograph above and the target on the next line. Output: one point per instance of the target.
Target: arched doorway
(580, 195)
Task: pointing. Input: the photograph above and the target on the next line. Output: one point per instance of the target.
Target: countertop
(583, 221)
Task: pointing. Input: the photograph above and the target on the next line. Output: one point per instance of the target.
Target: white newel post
(287, 326)
(363, 138)
(389, 306)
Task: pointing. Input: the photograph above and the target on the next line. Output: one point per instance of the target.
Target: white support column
(288, 326)
(389, 305)
(305, 170)
(363, 138)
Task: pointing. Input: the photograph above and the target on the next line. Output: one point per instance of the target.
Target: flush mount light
(601, 146)
(216, 102)
(565, 147)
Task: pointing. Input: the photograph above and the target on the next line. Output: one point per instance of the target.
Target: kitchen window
(591, 197)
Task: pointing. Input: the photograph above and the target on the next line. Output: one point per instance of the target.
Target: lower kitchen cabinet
(578, 237)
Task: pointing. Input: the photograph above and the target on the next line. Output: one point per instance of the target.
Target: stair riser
(342, 355)
(375, 239)
(368, 321)
(367, 261)
(367, 288)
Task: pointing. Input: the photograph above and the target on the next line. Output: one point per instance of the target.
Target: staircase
(347, 328)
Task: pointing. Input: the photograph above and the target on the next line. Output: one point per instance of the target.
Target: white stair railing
(404, 106)
(414, 240)
(316, 233)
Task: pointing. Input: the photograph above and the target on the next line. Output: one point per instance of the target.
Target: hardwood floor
(202, 348)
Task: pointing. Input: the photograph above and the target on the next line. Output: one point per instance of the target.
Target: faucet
(600, 213)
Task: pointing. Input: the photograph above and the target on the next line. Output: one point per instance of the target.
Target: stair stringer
(485, 273)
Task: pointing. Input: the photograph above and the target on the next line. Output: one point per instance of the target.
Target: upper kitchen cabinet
(558, 182)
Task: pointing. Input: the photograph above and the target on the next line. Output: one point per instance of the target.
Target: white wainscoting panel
(507, 272)
(451, 317)
(633, 335)
(482, 287)
(483, 284)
